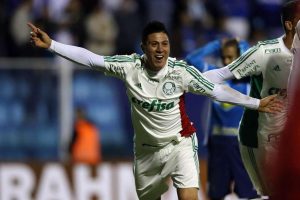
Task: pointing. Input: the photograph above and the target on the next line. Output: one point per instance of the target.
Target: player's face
(229, 54)
(157, 50)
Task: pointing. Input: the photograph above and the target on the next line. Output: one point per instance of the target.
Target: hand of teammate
(38, 37)
(270, 104)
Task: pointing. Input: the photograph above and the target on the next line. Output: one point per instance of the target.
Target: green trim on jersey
(255, 167)
(252, 50)
(242, 58)
(121, 58)
(195, 150)
(249, 123)
(170, 63)
(179, 63)
(273, 41)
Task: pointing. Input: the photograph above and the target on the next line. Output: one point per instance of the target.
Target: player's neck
(288, 40)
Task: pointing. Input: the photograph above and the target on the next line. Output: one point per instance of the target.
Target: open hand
(270, 104)
(38, 37)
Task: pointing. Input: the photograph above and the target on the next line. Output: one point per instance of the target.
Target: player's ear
(288, 25)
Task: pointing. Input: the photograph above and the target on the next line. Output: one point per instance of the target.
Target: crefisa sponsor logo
(155, 105)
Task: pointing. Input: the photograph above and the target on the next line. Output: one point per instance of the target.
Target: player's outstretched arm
(268, 104)
(73, 53)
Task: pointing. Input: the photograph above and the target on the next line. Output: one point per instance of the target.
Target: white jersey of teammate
(268, 63)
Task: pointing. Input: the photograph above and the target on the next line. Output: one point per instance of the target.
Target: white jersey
(268, 63)
(157, 102)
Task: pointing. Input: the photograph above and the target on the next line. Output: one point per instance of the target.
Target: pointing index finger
(33, 27)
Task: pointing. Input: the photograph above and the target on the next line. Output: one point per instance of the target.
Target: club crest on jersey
(169, 88)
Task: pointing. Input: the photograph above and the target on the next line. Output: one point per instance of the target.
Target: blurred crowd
(29, 102)
(113, 26)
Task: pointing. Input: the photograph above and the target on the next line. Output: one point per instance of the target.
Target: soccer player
(225, 165)
(165, 140)
(268, 63)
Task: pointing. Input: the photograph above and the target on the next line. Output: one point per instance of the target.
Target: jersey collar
(154, 75)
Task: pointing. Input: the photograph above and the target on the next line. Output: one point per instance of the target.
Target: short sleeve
(249, 63)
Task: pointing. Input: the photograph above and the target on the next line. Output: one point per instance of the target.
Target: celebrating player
(165, 139)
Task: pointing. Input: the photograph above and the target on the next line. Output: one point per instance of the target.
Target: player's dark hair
(289, 11)
(232, 43)
(153, 27)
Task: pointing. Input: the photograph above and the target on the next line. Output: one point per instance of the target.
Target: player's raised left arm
(76, 54)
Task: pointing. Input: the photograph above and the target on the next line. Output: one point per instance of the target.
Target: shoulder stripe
(181, 64)
(243, 57)
(274, 41)
(177, 63)
(171, 63)
(118, 59)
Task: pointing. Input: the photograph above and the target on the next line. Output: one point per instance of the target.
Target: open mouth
(158, 57)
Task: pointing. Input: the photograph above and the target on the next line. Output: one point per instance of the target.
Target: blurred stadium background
(39, 92)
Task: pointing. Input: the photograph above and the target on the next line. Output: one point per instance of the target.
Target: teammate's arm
(219, 75)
